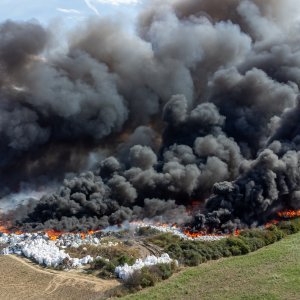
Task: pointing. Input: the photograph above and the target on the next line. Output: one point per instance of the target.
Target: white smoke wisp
(12, 201)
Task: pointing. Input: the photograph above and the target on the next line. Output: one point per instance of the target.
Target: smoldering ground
(200, 103)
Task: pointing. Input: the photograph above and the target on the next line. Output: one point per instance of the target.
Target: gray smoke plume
(199, 103)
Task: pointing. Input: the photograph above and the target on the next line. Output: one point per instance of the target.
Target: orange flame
(237, 232)
(3, 229)
(90, 232)
(273, 222)
(18, 232)
(53, 234)
(289, 214)
(198, 234)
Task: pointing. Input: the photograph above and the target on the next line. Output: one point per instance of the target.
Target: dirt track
(20, 279)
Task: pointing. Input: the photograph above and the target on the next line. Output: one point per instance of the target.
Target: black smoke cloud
(200, 103)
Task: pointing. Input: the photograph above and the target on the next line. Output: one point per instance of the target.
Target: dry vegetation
(104, 251)
(20, 279)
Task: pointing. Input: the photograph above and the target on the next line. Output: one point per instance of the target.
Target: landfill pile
(71, 240)
(124, 272)
(49, 248)
(182, 234)
(41, 249)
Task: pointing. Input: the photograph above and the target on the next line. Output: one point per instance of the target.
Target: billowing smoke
(200, 103)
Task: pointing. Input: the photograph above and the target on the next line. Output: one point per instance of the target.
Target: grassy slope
(272, 272)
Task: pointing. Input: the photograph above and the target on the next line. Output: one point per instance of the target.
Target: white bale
(124, 272)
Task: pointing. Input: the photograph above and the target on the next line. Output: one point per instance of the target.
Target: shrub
(254, 243)
(192, 258)
(175, 251)
(288, 227)
(98, 264)
(239, 243)
(269, 237)
(133, 283)
(296, 222)
(164, 240)
(204, 250)
(108, 270)
(217, 255)
(149, 276)
(235, 250)
(276, 231)
(125, 259)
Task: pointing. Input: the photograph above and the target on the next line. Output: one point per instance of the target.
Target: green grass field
(272, 272)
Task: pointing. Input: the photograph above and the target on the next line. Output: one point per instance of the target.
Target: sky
(69, 11)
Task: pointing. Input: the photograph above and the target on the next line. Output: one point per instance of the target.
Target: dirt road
(21, 279)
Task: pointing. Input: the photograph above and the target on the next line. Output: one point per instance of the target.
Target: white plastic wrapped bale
(4, 238)
(124, 272)
(76, 240)
(44, 252)
(77, 262)
(41, 250)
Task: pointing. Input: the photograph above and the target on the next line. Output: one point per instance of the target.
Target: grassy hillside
(272, 272)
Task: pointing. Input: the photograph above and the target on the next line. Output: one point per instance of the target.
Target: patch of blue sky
(69, 11)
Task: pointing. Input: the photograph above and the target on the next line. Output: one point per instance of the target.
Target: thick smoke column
(200, 103)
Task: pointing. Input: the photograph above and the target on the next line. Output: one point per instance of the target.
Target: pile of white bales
(40, 249)
(124, 272)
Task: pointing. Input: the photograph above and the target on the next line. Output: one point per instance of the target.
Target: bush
(275, 230)
(125, 259)
(98, 264)
(164, 240)
(192, 258)
(254, 243)
(235, 243)
(205, 250)
(133, 283)
(149, 276)
(270, 237)
(235, 250)
(289, 227)
(166, 270)
(175, 251)
(108, 270)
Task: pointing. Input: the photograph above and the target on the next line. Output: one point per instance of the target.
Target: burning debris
(183, 234)
(200, 103)
(289, 214)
